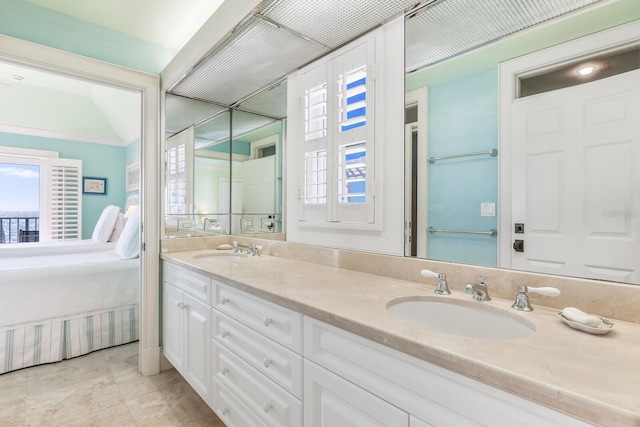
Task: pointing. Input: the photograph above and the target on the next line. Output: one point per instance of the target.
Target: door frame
(52, 60)
(508, 73)
(418, 97)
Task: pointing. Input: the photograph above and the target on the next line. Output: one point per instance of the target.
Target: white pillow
(107, 221)
(117, 229)
(128, 245)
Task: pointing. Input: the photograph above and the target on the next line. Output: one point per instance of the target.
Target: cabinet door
(333, 401)
(197, 345)
(173, 325)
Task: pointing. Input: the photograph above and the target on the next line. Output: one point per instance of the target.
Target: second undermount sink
(471, 319)
(221, 255)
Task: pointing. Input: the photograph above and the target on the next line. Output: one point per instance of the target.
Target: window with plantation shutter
(179, 169)
(336, 140)
(65, 199)
(59, 195)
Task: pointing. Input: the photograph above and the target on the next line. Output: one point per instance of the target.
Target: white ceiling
(33, 102)
(94, 113)
(168, 23)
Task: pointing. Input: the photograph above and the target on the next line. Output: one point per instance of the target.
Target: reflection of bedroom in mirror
(224, 167)
(57, 213)
(505, 176)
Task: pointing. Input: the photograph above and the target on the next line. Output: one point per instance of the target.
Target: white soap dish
(224, 247)
(601, 329)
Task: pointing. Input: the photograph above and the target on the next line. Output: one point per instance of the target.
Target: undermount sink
(222, 255)
(470, 319)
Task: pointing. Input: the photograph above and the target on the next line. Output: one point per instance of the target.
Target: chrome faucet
(250, 248)
(479, 291)
(522, 299)
(442, 288)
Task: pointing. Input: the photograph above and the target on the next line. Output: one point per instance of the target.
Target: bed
(60, 300)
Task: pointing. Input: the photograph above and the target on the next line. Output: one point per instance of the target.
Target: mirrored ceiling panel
(442, 29)
(333, 22)
(245, 123)
(257, 54)
(214, 131)
(271, 102)
(183, 112)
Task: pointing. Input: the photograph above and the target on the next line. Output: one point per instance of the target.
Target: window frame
(339, 211)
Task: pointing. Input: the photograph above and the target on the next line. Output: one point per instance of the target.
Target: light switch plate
(487, 209)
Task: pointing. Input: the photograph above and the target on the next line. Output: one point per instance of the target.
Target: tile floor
(103, 388)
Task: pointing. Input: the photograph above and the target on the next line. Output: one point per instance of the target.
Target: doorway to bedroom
(70, 215)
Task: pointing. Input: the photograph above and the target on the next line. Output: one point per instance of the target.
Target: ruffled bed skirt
(53, 340)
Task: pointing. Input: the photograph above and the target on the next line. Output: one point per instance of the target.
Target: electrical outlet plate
(487, 209)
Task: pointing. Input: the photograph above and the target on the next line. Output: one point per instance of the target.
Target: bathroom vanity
(273, 341)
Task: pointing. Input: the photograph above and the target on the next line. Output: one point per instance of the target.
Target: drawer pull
(224, 300)
(225, 411)
(224, 333)
(267, 407)
(267, 362)
(185, 306)
(267, 321)
(179, 304)
(224, 371)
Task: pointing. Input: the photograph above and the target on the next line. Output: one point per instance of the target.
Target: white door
(259, 186)
(575, 165)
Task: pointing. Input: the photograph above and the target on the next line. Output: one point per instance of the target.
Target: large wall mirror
(223, 171)
(470, 198)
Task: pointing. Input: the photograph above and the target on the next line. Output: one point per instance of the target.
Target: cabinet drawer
(231, 410)
(274, 405)
(196, 284)
(275, 361)
(282, 325)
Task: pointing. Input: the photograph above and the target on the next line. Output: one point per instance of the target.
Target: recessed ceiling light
(586, 70)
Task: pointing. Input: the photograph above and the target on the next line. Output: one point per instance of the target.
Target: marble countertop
(594, 377)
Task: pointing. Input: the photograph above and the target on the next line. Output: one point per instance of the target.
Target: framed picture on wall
(133, 177)
(94, 185)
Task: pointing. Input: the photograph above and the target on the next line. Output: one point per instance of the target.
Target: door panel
(576, 161)
(172, 325)
(197, 337)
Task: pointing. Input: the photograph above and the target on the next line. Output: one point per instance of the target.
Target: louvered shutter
(180, 172)
(65, 199)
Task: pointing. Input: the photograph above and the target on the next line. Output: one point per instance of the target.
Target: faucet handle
(545, 290)
(428, 273)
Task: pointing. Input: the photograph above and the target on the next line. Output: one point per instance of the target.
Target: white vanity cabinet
(187, 326)
(431, 395)
(256, 361)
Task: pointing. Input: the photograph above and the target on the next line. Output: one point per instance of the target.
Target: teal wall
(463, 118)
(27, 21)
(98, 160)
